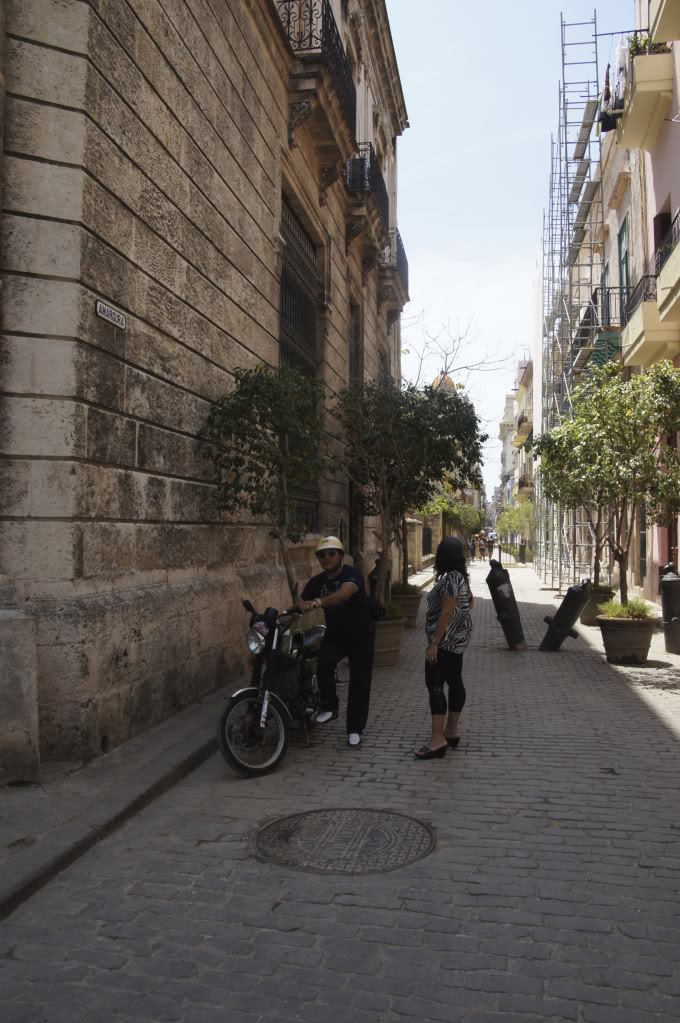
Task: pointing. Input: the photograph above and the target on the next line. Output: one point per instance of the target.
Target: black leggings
(449, 668)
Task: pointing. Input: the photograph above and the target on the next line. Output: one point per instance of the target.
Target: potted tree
(571, 476)
(626, 630)
(399, 442)
(623, 425)
(265, 439)
(388, 636)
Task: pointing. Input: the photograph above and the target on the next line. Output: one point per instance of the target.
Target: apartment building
(188, 188)
(611, 268)
(506, 432)
(523, 411)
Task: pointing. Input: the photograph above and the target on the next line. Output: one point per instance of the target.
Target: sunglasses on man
(322, 555)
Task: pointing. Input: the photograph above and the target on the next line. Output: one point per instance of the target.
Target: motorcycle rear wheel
(239, 738)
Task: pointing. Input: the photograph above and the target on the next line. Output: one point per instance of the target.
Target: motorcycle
(252, 731)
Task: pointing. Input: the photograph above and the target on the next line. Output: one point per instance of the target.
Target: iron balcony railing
(609, 306)
(668, 243)
(599, 326)
(644, 291)
(394, 257)
(526, 481)
(311, 29)
(364, 175)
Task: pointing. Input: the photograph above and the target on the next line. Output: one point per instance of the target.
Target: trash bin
(507, 612)
(522, 554)
(670, 608)
(562, 624)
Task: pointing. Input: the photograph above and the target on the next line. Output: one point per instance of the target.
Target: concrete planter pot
(590, 612)
(388, 642)
(410, 605)
(626, 640)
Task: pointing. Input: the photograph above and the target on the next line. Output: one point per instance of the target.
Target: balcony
(647, 101)
(525, 485)
(393, 273)
(667, 266)
(646, 339)
(664, 21)
(523, 429)
(321, 87)
(598, 336)
(364, 176)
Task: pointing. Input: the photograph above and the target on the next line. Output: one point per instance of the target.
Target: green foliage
(465, 518)
(635, 608)
(640, 43)
(401, 443)
(393, 610)
(401, 588)
(507, 521)
(612, 452)
(265, 440)
(517, 519)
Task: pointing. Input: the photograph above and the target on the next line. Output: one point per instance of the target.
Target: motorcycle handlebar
(290, 611)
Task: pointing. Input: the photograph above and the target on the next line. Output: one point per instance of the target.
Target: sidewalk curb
(147, 777)
(75, 839)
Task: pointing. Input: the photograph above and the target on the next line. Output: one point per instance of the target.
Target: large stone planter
(410, 605)
(388, 642)
(590, 612)
(626, 640)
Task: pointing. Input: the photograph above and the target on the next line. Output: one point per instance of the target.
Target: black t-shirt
(347, 617)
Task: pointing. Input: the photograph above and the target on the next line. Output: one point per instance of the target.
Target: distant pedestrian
(489, 547)
(448, 626)
(473, 548)
(482, 546)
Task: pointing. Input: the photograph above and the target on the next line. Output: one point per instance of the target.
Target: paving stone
(552, 893)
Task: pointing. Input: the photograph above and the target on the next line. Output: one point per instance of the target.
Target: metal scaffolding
(575, 307)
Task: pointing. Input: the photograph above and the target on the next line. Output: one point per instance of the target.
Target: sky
(481, 83)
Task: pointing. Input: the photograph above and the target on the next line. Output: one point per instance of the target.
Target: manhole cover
(345, 841)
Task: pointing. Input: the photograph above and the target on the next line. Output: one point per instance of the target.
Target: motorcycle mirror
(248, 606)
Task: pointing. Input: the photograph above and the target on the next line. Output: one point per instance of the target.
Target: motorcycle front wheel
(241, 741)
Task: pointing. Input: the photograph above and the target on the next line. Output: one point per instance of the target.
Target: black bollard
(670, 608)
(562, 625)
(500, 588)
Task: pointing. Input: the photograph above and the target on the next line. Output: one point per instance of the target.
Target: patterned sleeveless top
(459, 628)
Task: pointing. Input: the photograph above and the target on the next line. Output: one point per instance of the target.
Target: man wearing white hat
(350, 632)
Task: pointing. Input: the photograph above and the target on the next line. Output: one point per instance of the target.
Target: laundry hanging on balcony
(608, 115)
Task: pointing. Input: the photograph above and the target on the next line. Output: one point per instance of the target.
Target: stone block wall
(145, 156)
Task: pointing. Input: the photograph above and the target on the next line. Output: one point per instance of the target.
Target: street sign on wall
(108, 313)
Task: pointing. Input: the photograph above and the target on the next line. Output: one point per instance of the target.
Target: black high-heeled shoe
(425, 753)
(453, 740)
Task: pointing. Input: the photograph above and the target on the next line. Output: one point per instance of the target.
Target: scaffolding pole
(572, 267)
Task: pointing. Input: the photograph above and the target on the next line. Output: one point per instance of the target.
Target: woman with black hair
(448, 626)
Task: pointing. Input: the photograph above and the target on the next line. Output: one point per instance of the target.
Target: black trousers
(449, 668)
(358, 649)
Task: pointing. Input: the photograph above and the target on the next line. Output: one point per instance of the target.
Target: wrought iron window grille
(298, 333)
(393, 257)
(311, 29)
(668, 243)
(364, 175)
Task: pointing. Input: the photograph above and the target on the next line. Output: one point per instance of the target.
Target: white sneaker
(324, 716)
(353, 739)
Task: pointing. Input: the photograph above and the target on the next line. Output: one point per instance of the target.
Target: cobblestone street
(553, 891)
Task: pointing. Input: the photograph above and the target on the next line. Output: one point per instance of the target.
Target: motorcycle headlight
(256, 638)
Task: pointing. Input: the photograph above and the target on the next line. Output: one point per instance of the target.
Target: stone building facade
(188, 187)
